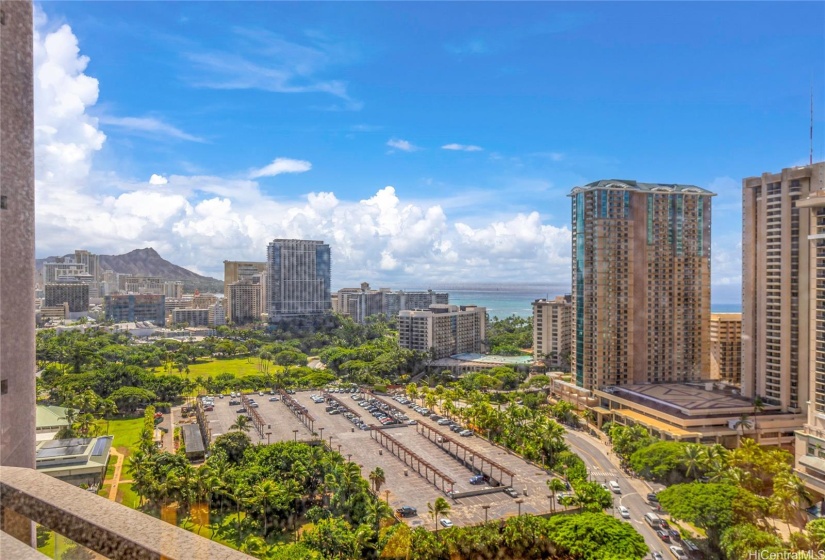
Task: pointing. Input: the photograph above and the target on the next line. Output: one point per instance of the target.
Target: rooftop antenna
(811, 159)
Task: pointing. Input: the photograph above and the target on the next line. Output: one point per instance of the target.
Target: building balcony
(112, 530)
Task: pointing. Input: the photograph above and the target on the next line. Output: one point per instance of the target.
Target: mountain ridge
(148, 262)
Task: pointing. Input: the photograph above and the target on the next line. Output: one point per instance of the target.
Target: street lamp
(349, 456)
(519, 502)
(267, 437)
(330, 443)
(322, 433)
(295, 432)
(387, 492)
(485, 508)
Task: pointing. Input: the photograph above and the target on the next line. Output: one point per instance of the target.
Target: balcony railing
(108, 528)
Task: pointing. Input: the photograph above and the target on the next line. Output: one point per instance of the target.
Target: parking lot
(406, 487)
(282, 423)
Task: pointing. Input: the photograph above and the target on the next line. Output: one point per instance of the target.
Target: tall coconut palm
(555, 485)
(439, 508)
(241, 423)
(378, 478)
(743, 422)
(692, 458)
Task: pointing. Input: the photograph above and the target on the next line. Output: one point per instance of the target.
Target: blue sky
(480, 116)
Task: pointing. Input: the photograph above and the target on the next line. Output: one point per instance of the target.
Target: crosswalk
(604, 474)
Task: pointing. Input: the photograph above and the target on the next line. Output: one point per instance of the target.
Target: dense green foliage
(661, 461)
(509, 336)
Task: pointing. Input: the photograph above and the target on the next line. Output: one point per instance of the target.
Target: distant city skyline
(426, 142)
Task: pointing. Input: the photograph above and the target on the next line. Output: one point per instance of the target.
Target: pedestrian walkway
(115, 480)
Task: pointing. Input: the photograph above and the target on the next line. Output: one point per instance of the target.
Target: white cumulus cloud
(403, 145)
(200, 220)
(462, 147)
(281, 165)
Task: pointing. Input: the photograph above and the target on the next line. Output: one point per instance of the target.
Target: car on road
(406, 511)
(662, 534)
(466, 433)
(657, 555)
(674, 534)
(624, 512)
(678, 552)
(510, 492)
(652, 499)
(614, 487)
(446, 523)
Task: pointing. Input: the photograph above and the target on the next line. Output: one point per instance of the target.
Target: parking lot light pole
(267, 437)
(295, 432)
(322, 433)
(519, 502)
(330, 443)
(387, 492)
(485, 508)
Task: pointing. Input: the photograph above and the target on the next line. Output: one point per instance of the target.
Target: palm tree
(241, 423)
(441, 507)
(262, 496)
(555, 485)
(692, 458)
(378, 478)
(758, 406)
(744, 422)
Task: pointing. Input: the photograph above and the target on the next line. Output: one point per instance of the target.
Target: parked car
(406, 511)
(651, 498)
(477, 479)
(674, 534)
(446, 523)
(466, 433)
(624, 512)
(443, 422)
(273, 399)
(662, 534)
(678, 552)
(510, 492)
(241, 410)
(253, 405)
(412, 422)
(657, 556)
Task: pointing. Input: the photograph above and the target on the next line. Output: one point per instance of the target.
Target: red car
(663, 535)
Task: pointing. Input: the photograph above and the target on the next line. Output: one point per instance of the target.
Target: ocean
(503, 300)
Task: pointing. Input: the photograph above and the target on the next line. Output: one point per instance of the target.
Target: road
(603, 466)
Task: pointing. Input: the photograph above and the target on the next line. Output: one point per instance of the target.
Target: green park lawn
(239, 367)
(126, 432)
(127, 496)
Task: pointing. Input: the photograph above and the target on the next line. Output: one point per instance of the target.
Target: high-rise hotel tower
(298, 279)
(641, 283)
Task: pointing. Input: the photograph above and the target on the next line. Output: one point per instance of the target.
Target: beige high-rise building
(777, 278)
(234, 271)
(246, 300)
(641, 283)
(551, 330)
(726, 347)
(443, 330)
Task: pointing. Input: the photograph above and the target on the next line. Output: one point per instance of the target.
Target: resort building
(726, 347)
(641, 283)
(298, 279)
(551, 330)
(360, 303)
(236, 271)
(74, 294)
(443, 330)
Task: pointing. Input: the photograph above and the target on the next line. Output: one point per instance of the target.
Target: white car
(624, 512)
(678, 552)
(447, 523)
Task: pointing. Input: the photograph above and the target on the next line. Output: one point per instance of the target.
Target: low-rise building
(74, 294)
(129, 308)
(76, 461)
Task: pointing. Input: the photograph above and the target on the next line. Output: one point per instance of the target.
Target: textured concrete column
(17, 398)
(17, 412)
